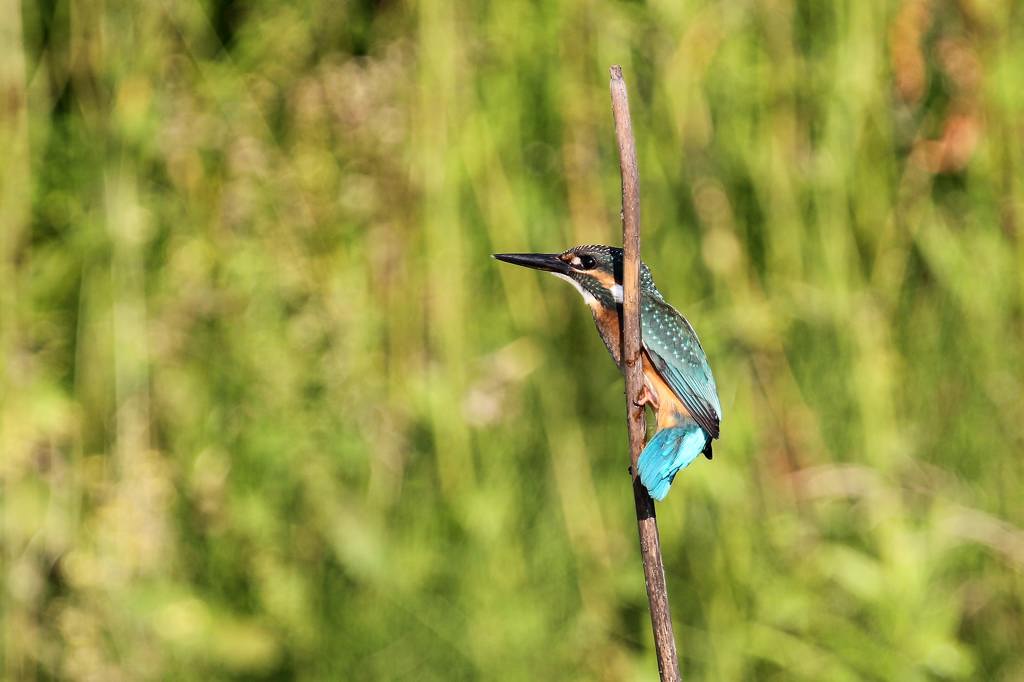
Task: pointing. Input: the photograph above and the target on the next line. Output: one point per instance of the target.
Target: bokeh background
(270, 411)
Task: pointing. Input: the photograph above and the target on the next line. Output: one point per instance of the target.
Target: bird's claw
(646, 398)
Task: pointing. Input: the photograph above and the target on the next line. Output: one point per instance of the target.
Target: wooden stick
(647, 523)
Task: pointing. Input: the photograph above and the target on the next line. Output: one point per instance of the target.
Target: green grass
(270, 411)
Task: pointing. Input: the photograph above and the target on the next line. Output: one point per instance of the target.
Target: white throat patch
(588, 298)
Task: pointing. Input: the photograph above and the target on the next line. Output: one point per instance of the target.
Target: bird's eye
(587, 262)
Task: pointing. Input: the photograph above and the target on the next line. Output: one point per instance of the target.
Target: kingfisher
(678, 384)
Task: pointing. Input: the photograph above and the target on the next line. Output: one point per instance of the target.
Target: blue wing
(676, 354)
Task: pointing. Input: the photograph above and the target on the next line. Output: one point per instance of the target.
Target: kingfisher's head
(595, 271)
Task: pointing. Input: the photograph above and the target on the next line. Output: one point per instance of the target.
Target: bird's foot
(647, 397)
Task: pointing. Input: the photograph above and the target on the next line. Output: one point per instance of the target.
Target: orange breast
(670, 408)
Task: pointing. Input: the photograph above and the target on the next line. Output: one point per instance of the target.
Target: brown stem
(647, 523)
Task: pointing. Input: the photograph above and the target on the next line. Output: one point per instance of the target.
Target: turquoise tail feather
(669, 451)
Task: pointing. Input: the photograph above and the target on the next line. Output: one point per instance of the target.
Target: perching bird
(678, 383)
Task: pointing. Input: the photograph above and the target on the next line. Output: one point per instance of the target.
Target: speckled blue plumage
(676, 353)
(691, 416)
(669, 451)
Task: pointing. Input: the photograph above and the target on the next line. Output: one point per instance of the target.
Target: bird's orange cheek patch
(606, 279)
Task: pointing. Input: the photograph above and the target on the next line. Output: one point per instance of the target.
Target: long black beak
(548, 262)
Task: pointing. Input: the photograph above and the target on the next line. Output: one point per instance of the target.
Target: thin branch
(647, 523)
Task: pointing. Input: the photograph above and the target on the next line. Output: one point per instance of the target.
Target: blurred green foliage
(269, 410)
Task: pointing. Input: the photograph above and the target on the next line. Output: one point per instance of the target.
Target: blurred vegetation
(269, 410)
